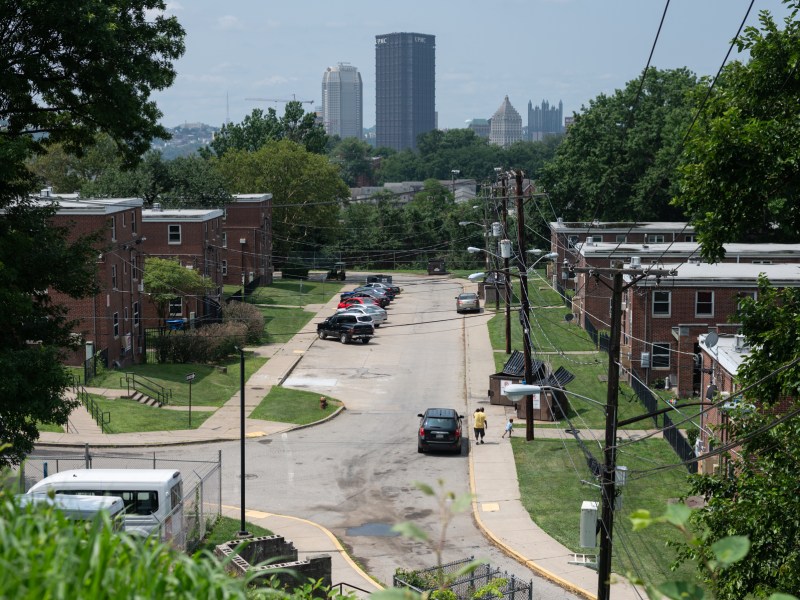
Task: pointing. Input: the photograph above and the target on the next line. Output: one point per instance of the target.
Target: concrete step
(145, 399)
(82, 422)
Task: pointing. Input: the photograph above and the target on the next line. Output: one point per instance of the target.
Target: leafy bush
(247, 314)
(205, 345)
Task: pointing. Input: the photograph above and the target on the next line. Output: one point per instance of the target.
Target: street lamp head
(455, 172)
(476, 276)
(474, 250)
(517, 391)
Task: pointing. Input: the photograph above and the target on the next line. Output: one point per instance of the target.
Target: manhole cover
(248, 476)
(265, 441)
(373, 529)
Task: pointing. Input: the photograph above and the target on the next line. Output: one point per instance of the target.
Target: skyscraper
(505, 127)
(545, 120)
(405, 88)
(342, 101)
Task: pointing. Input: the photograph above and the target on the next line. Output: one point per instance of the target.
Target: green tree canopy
(306, 190)
(742, 173)
(258, 128)
(165, 279)
(618, 161)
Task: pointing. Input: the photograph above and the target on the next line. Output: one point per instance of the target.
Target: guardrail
(148, 387)
(100, 417)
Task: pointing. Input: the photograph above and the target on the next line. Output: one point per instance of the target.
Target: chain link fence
(187, 523)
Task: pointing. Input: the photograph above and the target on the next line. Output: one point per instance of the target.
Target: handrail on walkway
(147, 386)
(100, 417)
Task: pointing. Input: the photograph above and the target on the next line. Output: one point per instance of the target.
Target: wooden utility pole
(506, 272)
(608, 475)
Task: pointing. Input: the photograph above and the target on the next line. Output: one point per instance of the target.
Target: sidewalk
(497, 508)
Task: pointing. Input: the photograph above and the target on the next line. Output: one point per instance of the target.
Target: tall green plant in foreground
(45, 555)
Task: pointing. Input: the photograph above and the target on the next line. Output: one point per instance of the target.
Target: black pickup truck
(347, 327)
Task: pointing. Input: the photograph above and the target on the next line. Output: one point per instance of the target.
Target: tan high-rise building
(342, 101)
(506, 125)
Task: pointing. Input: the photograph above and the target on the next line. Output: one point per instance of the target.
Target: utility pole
(608, 490)
(525, 308)
(506, 272)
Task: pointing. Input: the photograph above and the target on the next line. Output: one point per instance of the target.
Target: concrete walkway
(497, 508)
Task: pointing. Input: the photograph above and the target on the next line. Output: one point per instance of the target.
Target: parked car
(468, 301)
(347, 327)
(376, 312)
(439, 429)
(380, 298)
(376, 287)
(358, 300)
(395, 289)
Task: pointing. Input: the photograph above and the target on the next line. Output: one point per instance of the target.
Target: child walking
(509, 428)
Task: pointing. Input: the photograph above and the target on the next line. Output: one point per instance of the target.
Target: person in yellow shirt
(480, 423)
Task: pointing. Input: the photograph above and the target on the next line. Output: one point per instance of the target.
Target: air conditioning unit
(589, 241)
(645, 360)
(141, 287)
(739, 342)
(636, 262)
(588, 537)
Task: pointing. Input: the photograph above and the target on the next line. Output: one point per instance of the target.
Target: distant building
(479, 126)
(405, 88)
(545, 120)
(342, 101)
(506, 125)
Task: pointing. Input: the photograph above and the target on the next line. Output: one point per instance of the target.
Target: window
(572, 240)
(762, 262)
(113, 229)
(224, 267)
(655, 238)
(116, 325)
(224, 239)
(174, 234)
(136, 314)
(596, 238)
(134, 267)
(125, 314)
(113, 277)
(137, 502)
(704, 304)
(133, 221)
(621, 238)
(662, 303)
(175, 307)
(660, 356)
(690, 238)
(741, 296)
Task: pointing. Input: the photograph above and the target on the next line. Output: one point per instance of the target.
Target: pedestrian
(509, 428)
(479, 425)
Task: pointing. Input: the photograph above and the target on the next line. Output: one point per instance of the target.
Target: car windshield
(468, 296)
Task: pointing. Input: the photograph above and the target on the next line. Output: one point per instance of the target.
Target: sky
(530, 50)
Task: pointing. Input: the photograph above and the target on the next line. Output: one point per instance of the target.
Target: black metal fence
(93, 364)
(483, 583)
(601, 339)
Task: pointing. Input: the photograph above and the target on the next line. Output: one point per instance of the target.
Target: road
(356, 474)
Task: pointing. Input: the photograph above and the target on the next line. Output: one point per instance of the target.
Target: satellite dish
(568, 317)
(711, 339)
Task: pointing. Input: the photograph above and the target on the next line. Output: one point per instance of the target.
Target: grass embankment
(293, 406)
(225, 530)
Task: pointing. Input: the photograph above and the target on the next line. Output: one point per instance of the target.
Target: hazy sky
(569, 50)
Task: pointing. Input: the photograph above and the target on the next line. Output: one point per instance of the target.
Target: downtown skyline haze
(529, 50)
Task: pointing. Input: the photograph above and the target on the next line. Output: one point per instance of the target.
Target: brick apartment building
(247, 238)
(195, 238)
(661, 322)
(109, 322)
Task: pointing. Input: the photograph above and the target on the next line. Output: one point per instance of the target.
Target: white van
(152, 497)
(79, 508)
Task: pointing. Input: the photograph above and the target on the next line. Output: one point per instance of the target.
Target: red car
(356, 300)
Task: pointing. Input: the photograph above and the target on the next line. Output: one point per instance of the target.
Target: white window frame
(668, 302)
(115, 321)
(621, 238)
(134, 268)
(655, 238)
(224, 239)
(224, 267)
(114, 277)
(133, 221)
(705, 302)
(662, 357)
(113, 228)
(177, 301)
(172, 230)
(136, 314)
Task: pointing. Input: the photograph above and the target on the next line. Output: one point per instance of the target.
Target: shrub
(247, 314)
(205, 345)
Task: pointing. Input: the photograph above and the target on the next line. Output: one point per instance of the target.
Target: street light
(454, 173)
(243, 533)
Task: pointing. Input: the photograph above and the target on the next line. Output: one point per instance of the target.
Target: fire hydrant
(323, 402)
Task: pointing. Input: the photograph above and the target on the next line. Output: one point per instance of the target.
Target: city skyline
(554, 50)
(342, 101)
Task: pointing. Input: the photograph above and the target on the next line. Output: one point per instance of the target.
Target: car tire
(377, 325)
(365, 340)
(344, 338)
(322, 335)
(420, 449)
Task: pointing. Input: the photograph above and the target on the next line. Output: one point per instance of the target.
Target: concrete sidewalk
(497, 508)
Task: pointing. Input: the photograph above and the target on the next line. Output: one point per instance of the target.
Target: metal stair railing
(100, 417)
(148, 387)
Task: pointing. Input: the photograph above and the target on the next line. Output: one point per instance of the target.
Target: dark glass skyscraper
(405, 88)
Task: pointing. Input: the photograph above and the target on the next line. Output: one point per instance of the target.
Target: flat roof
(89, 206)
(251, 197)
(724, 351)
(154, 215)
(684, 249)
(588, 227)
(724, 275)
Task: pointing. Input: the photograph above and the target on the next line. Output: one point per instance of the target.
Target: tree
(741, 175)
(354, 158)
(65, 75)
(306, 189)
(258, 128)
(165, 279)
(618, 161)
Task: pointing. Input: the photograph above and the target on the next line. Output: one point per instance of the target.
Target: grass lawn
(292, 406)
(211, 387)
(51, 427)
(550, 472)
(293, 292)
(225, 530)
(281, 323)
(128, 416)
